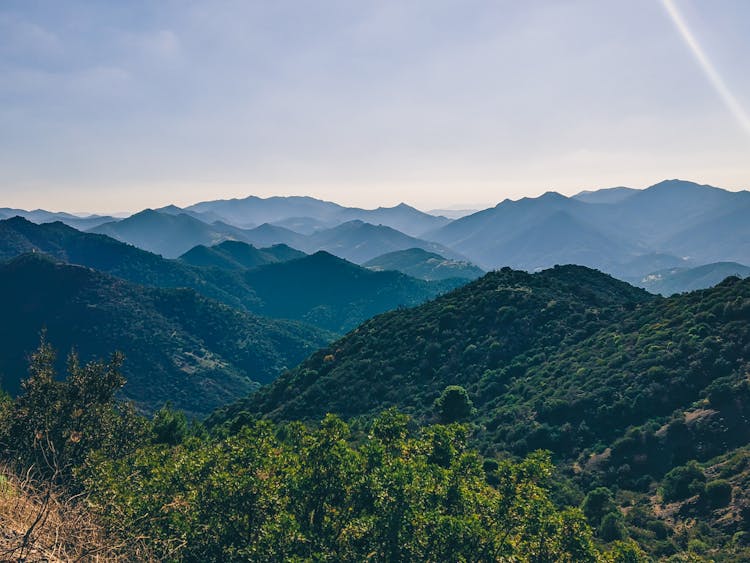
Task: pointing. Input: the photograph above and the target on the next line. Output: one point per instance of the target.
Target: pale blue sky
(111, 105)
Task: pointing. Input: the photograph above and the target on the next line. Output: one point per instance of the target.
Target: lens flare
(729, 99)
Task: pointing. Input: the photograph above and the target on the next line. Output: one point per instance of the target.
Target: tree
(597, 504)
(55, 424)
(170, 426)
(454, 405)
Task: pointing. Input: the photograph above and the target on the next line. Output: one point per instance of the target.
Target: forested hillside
(624, 388)
(180, 346)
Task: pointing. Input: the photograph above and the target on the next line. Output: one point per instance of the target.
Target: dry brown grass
(39, 523)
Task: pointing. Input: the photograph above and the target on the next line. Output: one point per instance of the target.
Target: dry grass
(38, 523)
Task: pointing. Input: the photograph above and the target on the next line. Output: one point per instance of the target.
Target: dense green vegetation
(179, 345)
(424, 265)
(623, 388)
(259, 492)
(408, 357)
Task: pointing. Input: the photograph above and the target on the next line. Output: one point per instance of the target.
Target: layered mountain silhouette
(308, 214)
(103, 253)
(619, 230)
(179, 346)
(419, 263)
(167, 234)
(622, 231)
(330, 292)
(81, 222)
(359, 242)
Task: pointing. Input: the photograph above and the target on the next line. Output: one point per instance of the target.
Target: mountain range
(332, 293)
(626, 232)
(608, 229)
(677, 280)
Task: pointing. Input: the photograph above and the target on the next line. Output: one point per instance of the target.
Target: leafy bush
(718, 493)
(682, 482)
(293, 493)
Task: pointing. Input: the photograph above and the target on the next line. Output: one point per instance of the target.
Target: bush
(612, 528)
(718, 493)
(682, 482)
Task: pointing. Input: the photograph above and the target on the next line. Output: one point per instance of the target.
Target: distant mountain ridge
(610, 229)
(421, 264)
(679, 280)
(252, 211)
(338, 295)
(235, 255)
(342, 296)
(623, 231)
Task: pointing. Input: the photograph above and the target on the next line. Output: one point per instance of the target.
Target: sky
(110, 106)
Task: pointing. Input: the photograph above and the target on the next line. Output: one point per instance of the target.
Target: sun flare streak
(729, 99)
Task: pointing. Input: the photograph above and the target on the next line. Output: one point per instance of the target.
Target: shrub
(681, 482)
(718, 493)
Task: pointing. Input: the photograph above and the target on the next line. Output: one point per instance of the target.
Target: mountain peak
(676, 184)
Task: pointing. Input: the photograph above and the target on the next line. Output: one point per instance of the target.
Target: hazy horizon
(448, 208)
(116, 108)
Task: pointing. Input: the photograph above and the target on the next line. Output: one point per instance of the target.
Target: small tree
(54, 424)
(597, 504)
(170, 426)
(454, 405)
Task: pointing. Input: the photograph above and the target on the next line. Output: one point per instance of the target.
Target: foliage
(292, 493)
(681, 482)
(622, 387)
(54, 425)
(169, 426)
(718, 493)
(454, 405)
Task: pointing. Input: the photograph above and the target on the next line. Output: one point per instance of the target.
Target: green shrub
(718, 493)
(682, 482)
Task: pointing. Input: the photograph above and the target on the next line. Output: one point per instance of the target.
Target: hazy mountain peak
(676, 184)
(605, 195)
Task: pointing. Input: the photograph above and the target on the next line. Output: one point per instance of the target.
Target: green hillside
(406, 358)
(623, 388)
(179, 346)
(330, 293)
